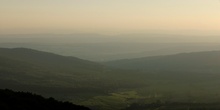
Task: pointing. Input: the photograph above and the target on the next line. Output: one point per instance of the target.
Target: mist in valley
(100, 47)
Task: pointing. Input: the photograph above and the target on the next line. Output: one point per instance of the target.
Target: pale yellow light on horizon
(108, 15)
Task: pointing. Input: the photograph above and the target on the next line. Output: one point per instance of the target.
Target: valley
(115, 84)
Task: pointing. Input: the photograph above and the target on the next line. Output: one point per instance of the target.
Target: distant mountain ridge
(99, 47)
(204, 61)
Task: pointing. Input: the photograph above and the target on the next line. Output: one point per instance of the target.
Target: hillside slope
(48, 59)
(50, 74)
(197, 61)
(47, 69)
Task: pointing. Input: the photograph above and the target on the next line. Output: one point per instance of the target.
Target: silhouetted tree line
(10, 100)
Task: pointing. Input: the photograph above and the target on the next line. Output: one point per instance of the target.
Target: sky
(110, 16)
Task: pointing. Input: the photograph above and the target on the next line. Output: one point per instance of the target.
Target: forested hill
(42, 72)
(46, 59)
(11, 100)
(197, 61)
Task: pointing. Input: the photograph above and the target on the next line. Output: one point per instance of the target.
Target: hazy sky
(66, 16)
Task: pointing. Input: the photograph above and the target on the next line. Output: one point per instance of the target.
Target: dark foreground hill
(10, 100)
(193, 62)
